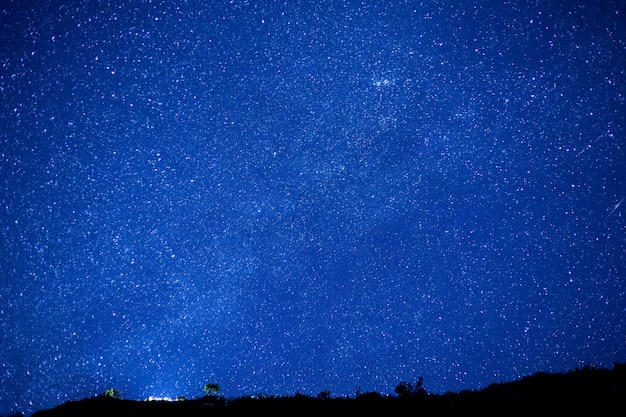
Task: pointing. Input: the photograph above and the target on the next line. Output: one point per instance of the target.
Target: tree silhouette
(211, 389)
(324, 395)
(408, 390)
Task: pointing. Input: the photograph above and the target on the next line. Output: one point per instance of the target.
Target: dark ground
(592, 390)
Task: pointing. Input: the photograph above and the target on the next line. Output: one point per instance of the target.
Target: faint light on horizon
(152, 398)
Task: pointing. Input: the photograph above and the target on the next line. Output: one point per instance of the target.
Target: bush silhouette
(112, 393)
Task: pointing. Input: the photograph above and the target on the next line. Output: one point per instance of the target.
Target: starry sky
(286, 197)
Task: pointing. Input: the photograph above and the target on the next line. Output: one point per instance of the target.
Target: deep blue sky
(281, 197)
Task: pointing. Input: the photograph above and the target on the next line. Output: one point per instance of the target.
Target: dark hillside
(587, 389)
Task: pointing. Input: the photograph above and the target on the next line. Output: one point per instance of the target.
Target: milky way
(285, 198)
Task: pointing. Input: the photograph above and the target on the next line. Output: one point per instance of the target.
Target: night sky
(286, 197)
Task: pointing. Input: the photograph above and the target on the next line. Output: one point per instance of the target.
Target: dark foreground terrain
(582, 390)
